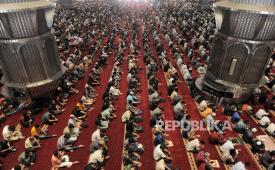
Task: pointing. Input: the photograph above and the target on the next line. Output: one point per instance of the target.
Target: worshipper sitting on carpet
(246, 108)
(206, 112)
(7, 106)
(32, 143)
(161, 152)
(80, 105)
(195, 145)
(27, 119)
(261, 113)
(98, 159)
(267, 159)
(258, 147)
(114, 91)
(101, 122)
(27, 157)
(40, 133)
(202, 157)
(228, 145)
(49, 118)
(98, 139)
(179, 110)
(5, 148)
(98, 143)
(11, 133)
(240, 166)
(131, 159)
(92, 81)
(136, 111)
(241, 125)
(133, 98)
(229, 157)
(216, 138)
(186, 127)
(219, 126)
(78, 123)
(203, 105)
(87, 102)
(20, 166)
(235, 117)
(248, 135)
(72, 131)
(55, 108)
(89, 92)
(64, 143)
(133, 145)
(229, 153)
(271, 129)
(108, 113)
(230, 109)
(60, 160)
(160, 138)
(264, 122)
(78, 114)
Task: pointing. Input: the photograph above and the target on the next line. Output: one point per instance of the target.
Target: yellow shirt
(34, 132)
(80, 106)
(206, 112)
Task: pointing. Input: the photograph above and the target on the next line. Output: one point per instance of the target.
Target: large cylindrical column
(242, 47)
(28, 52)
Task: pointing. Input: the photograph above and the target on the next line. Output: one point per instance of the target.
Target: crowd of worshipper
(98, 148)
(132, 116)
(161, 154)
(194, 35)
(76, 32)
(185, 29)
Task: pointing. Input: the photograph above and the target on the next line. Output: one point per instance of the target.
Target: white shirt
(238, 166)
(190, 146)
(179, 61)
(95, 135)
(160, 165)
(114, 91)
(158, 154)
(178, 107)
(260, 113)
(6, 132)
(264, 121)
(96, 157)
(227, 146)
(271, 128)
(186, 76)
(203, 105)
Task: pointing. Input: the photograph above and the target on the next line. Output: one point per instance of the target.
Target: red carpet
(116, 127)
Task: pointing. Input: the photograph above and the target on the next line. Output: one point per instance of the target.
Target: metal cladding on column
(28, 52)
(242, 47)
